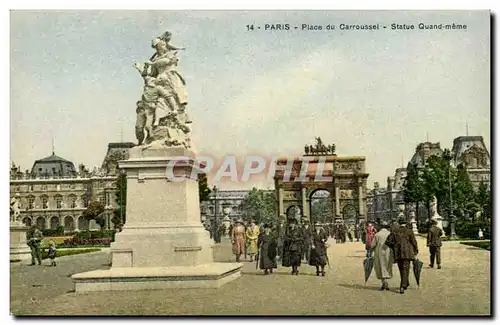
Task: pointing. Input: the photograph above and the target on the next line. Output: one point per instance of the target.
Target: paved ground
(462, 287)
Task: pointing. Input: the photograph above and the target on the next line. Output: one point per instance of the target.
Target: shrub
(59, 231)
(87, 242)
(68, 252)
(96, 234)
(471, 229)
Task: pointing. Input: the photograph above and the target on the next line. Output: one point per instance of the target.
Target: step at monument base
(211, 275)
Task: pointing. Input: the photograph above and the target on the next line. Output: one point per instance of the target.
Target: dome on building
(53, 166)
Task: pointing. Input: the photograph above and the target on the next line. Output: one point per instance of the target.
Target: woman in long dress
(267, 250)
(252, 235)
(238, 239)
(318, 249)
(383, 256)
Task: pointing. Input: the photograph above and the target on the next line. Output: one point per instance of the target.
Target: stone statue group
(162, 117)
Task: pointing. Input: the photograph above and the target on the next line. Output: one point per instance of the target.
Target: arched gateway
(320, 168)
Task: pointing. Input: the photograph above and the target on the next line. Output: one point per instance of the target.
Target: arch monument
(319, 168)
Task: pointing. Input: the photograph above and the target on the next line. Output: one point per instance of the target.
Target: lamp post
(215, 225)
(453, 234)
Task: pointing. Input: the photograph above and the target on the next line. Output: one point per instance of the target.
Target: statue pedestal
(163, 243)
(19, 251)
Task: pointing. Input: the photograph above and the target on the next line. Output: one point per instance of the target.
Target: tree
(259, 205)
(95, 212)
(463, 191)
(413, 187)
(121, 201)
(203, 187)
(482, 197)
(322, 210)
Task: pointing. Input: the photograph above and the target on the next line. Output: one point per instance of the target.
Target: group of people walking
(286, 242)
(397, 244)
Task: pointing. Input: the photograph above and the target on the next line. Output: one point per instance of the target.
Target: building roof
(53, 165)
(423, 151)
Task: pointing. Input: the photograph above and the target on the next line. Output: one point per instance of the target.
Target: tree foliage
(436, 179)
(322, 210)
(259, 205)
(95, 211)
(203, 187)
(121, 201)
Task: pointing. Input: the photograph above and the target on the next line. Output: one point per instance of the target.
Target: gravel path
(461, 287)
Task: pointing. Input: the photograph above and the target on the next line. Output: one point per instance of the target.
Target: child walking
(52, 253)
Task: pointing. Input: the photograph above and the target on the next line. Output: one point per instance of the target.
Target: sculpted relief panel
(291, 196)
(346, 194)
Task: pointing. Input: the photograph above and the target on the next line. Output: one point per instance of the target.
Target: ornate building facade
(470, 151)
(55, 194)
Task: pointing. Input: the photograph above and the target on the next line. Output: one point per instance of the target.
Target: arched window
(54, 222)
(27, 221)
(40, 222)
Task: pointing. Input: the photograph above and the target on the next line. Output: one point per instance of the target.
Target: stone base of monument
(163, 243)
(19, 251)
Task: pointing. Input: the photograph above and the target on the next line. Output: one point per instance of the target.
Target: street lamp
(215, 226)
(453, 234)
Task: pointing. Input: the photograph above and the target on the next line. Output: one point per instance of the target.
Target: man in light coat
(383, 256)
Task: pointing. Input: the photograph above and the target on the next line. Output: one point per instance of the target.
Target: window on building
(44, 187)
(108, 203)
(58, 201)
(31, 188)
(72, 200)
(84, 201)
(45, 202)
(71, 186)
(31, 202)
(102, 198)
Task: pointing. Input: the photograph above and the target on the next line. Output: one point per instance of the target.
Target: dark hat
(239, 221)
(402, 220)
(292, 220)
(267, 225)
(305, 220)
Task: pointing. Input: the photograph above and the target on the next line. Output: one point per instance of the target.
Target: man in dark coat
(318, 249)
(280, 236)
(34, 238)
(434, 243)
(306, 234)
(293, 245)
(405, 247)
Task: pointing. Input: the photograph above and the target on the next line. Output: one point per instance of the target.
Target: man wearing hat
(280, 234)
(293, 246)
(434, 243)
(306, 235)
(405, 248)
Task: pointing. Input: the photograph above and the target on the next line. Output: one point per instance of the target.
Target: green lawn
(480, 244)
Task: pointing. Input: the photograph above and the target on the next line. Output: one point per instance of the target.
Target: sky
(373, 93)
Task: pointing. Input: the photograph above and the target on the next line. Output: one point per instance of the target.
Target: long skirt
(239, 245)
(292, 258)
(317, 259)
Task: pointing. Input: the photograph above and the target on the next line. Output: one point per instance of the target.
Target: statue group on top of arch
(319, 149)
(162, 117)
